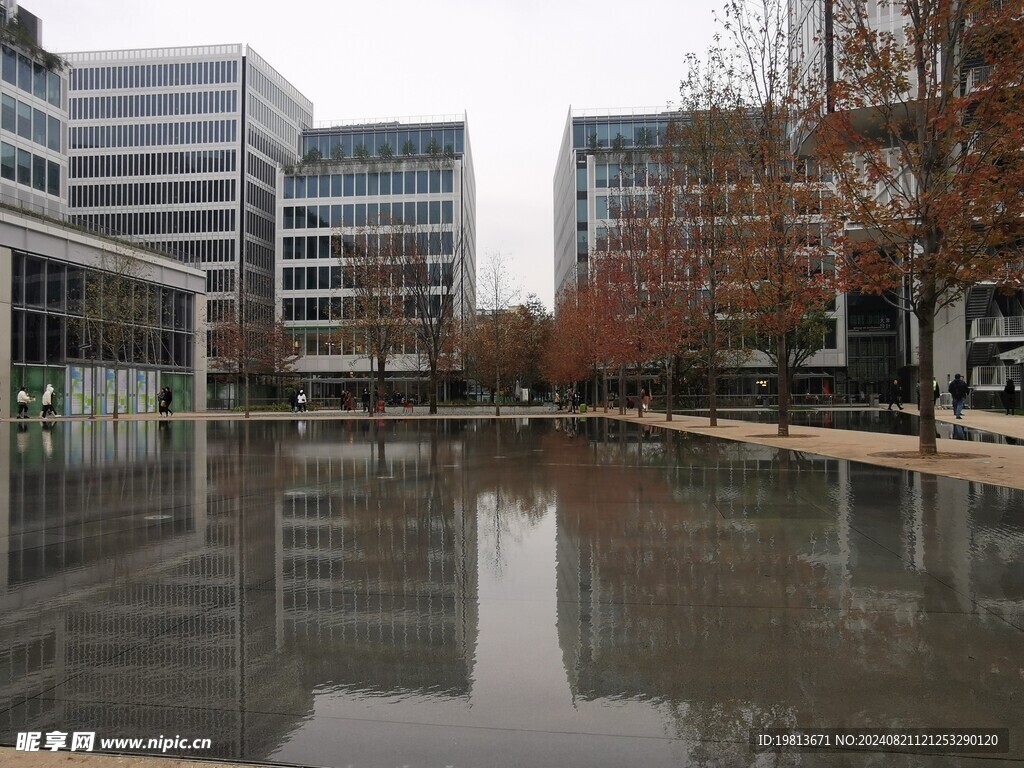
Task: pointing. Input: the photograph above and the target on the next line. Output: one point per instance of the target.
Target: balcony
(996, 329)
(993, 377)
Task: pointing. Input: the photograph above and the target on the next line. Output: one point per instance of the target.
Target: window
(24, 120)
(7, 161)
(8, 112)
(24, 167)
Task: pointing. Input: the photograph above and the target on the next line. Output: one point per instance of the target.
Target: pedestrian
(958, 389)
(164, 401)
(300, 401)
(366, 401)
(24, 398)
(558, 401)
(646, 399)
(1010, 396)
(168, 397)
(293, 400)
(48, 409)
(895, 395)
(348, 400)
(935, 391)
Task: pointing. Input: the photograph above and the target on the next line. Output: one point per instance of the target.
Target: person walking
(24, 398)
(935, 391)
(895, 395)
(48, 409)
(958, 389)
(1010, 397)
(646, 400)
(300, 401)
(366, 401)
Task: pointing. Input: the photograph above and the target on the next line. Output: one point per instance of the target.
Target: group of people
(571, 402)
(25, 399)
(297, 400)
(163, 401)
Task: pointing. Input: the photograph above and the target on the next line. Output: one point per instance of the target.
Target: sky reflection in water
(474, 592)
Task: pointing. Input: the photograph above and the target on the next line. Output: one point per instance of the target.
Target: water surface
(535, 593)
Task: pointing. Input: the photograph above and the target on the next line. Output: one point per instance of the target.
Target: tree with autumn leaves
(923, 136)
(251, 348)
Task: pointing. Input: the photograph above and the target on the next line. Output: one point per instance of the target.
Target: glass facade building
(33, 121)
(178, 148)
(366, 181)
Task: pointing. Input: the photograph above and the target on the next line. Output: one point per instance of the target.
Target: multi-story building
(607, 154)
(33, 117)
(358, 183)
(981, 335)
(178, 148)
(49, 328)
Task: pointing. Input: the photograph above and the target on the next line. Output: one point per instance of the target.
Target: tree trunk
(117, 386)
(639, 395)
(713, 375)
(622, 390)
(926, 367)
(433, 387)
(783, 372)
(669, 368)
(381, 363)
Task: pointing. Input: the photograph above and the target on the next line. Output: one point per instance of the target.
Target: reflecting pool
(476, 592)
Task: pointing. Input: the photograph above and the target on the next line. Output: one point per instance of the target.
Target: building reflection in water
(238, 580)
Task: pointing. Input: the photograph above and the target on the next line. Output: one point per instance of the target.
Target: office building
(359, 183)
(33, 117)
(178, 148)
(606, 154)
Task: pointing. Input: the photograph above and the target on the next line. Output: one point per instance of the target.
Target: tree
(252, 348)
(532, 329)
(635, 276)
(433, 284)
(493, 333)
(572, 348)
(706, 148)
(784, 251)
(119, 313)
(924, 143)
(379, 313)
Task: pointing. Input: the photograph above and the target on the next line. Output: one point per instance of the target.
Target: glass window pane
(53, 134)
(24, 120)
(7, 163)
(10, 66)
(24, 167)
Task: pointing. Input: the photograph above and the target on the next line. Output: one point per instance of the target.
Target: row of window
(160, 222)
(23, 119)
(332, 308)
(21, 166)
(343, 341)
(269, 90)
(59, 287)
(335, 277)
(31, 77)
(369, 184)
(154, 163)
(278, 126)
(427, 141)
(136, 105)
(154, 75)
(153, 193)
(54, 339)
(154, 134)
(220, 280)
(618, 133)
(368, 214)
(205, 250)
(321, 246)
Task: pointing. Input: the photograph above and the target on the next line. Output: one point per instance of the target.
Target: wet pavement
(479, 592)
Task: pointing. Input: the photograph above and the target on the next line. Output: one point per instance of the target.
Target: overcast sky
(513, 66)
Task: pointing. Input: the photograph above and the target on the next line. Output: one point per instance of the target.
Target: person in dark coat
(895, 395)
(958, 389)
(1010, 397)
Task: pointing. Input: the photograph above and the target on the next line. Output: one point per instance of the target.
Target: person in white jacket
(48, 409)
(24, 398)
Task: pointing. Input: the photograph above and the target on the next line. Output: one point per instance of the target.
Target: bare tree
(118, 311)
(433, 267)
(497, 294)
(379, 312)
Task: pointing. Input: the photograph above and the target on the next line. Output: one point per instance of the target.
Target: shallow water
(546, 592)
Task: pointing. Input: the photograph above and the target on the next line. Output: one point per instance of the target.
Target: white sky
(513, 66)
